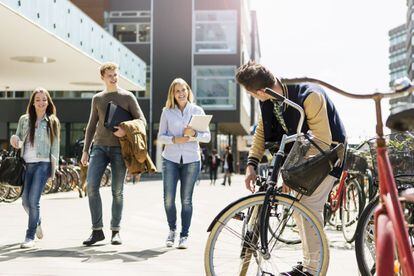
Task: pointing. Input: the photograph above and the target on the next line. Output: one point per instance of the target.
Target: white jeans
(315, 203)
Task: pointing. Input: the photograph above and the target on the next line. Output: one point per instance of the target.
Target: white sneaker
(183, 243)
(39, 232)
(28, 243)
(170, 239)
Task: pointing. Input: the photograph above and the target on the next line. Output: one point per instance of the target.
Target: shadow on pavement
(85, 254)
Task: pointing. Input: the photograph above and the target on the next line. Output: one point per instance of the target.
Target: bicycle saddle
(402, 118)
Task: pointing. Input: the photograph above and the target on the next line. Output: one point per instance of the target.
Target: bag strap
(16, 153)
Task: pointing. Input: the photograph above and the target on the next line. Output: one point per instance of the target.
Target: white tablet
(200, 122)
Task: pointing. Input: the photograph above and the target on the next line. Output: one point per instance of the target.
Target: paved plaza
(66, 223)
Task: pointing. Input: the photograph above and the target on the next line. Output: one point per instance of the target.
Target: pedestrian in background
(37, 136)
(213, 163)
(227, 166)
(181, 156)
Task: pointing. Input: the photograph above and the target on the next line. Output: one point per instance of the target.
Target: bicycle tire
(366, 222)
(352, 188)
(4, 191)
(13, 194)
(233, 214)
(48, 186)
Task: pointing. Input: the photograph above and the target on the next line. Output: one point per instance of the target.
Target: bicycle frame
(276, 165)
(335, 200)
(389, 220)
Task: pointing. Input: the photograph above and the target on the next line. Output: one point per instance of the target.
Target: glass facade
(399, 38)
(215, 32)
(215, 86)
(398, 73)
(132, 32)
(395, 57)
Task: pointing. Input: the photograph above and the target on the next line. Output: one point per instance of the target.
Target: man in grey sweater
(106, 150)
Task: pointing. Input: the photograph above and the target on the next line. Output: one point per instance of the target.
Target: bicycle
(345, 203)
(393, 249)
(258, 229)
(8, 193)
(365, 239)
(401, 155)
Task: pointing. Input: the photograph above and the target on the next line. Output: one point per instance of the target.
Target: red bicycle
(346, 200)
(394, 255)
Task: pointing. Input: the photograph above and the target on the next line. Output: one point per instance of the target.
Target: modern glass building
(55, 45)
(401, 54)
(201, 41)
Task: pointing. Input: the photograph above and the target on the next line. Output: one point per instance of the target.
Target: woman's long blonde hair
(171, 103)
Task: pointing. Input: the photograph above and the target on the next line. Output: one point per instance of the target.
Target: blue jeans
(100, 157)
(35, 179)
(187, 174)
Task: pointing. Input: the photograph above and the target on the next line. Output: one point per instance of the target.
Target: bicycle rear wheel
(233, 246)
(351, 208)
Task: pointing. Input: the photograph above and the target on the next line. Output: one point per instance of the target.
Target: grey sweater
(96, 129)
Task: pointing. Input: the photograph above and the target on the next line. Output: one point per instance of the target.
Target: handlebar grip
(275, 95)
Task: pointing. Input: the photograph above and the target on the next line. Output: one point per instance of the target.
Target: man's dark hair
(254, 76)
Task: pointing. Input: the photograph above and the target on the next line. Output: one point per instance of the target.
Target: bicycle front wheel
(365, 240)
(233, 246)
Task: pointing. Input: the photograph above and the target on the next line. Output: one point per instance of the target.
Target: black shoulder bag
(12, 170)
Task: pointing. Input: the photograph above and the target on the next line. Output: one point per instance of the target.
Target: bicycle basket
(400, 148)
(308, 163)
(356, 160)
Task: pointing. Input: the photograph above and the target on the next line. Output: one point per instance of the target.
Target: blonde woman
(181, 156)
(38, 137)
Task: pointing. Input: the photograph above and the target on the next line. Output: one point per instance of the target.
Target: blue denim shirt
(41, 141)
(172, 123)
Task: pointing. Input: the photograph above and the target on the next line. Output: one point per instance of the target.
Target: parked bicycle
(347, 199)
(401, 156)
(393, 249)
(8, 193)
(66, 179)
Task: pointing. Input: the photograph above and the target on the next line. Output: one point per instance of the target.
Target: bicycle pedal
(339, 228)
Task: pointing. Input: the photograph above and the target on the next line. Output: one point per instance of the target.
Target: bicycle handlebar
(402, 86)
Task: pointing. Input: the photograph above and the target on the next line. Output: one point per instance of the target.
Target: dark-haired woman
(38, 137)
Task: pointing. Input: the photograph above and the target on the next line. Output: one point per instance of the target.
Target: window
(15, 94)
(398, 73)
(215, 86)
(215, 32)
(118, 14)
(76, 133)
(398, 57)
(147, 82)
(399, 38)
(12, 129)
(132, 32)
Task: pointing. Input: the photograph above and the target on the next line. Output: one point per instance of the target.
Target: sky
(344, 43)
